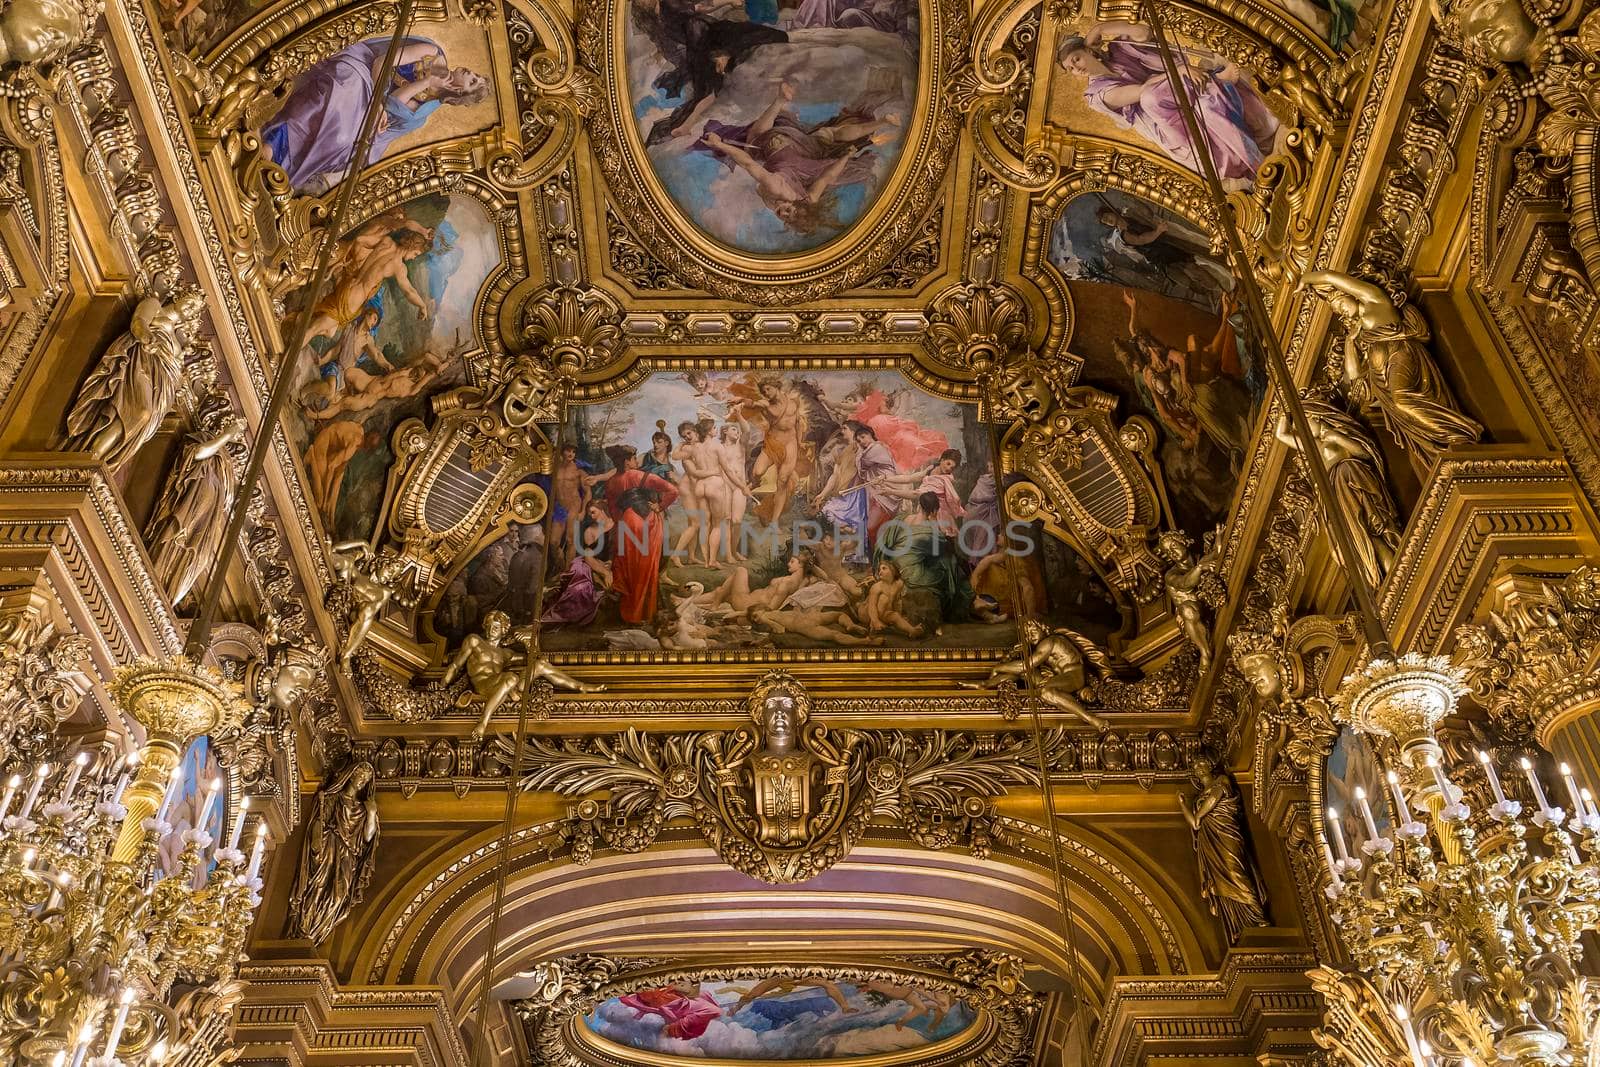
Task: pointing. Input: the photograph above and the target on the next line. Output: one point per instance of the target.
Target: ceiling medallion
(768, 165)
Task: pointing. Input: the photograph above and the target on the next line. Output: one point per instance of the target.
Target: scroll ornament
(787, 798)
(41, 681)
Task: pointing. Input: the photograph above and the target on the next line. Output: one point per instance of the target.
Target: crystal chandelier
(106, 957)
(1467, 923)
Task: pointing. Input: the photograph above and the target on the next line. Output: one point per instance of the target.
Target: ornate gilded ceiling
(713, 418)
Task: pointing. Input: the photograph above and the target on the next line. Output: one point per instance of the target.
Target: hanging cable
(1069, 928)
(491, 956)
(1266, 337)
(200, 630)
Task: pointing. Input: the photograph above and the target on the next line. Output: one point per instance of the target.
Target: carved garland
(789, 799)
(893, 220)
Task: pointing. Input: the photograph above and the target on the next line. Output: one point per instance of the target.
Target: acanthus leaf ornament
(788, 798)
(41, 681)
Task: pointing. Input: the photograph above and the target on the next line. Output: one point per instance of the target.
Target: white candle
(255, 853)
(1366, 813)
(12, 785)
(79, 762)
(1402, 810)
(1533, 780)
(114, 1038)
(1446, 789)
(1572, 790)
(173, 785)
(128, 766)
(33, 793)
(85, 1036)
(1333, 868)
(1588, 801)
(1404, 1016)
(1426, 1050)
(1336, 832)
(158, 1052)
(238, 824)
(1494, 779)
(59, 1059)
(213, 790)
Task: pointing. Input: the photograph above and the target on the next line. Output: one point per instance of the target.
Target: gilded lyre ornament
(41, 680)
(499, 674)
(186, 530)
(1096, 476)
(1387, 366)
(786, 798)
(337, 854)
(1356, 473)
(1230, 882)
(450, 481)
(121, 404)
(1055, 663)
(372, 581)
(1194, 586)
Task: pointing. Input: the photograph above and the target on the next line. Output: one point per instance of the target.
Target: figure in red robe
(912, 445)
(686, 1009)
(637, 501)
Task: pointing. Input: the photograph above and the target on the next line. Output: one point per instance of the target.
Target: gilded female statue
(336, 857)
(1355, 471)
(1229, 880)
(192, 515)
(124, 399)
(1387, 365)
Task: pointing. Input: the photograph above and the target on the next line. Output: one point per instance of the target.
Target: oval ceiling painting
(772, 125)
(805, 1018)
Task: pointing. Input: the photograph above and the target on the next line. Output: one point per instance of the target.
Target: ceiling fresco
(754, 394)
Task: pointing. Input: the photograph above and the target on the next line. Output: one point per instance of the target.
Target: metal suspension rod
(491, 956)
(200, 630)
(1277, 365)
(1069, 929)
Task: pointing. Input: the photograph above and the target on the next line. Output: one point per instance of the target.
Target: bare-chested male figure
(781, 448)
(498, 674)
(396, 385)
(1056, 661)
(570, 494)
(359, 281)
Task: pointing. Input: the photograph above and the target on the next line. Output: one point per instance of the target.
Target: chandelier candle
(238, 825)
(79, 762)
(33, 793)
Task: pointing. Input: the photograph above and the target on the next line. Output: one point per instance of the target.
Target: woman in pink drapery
(685, 1008)
(912, 446)
(1127, 80)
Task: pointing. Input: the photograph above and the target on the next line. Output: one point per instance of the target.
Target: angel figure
(1387, 365)
(498, 674)
(135, 384)
(1229, 880)
(374, 580)
(336, 857)
(1055, 663)
(1192, 586)
(192, 515)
